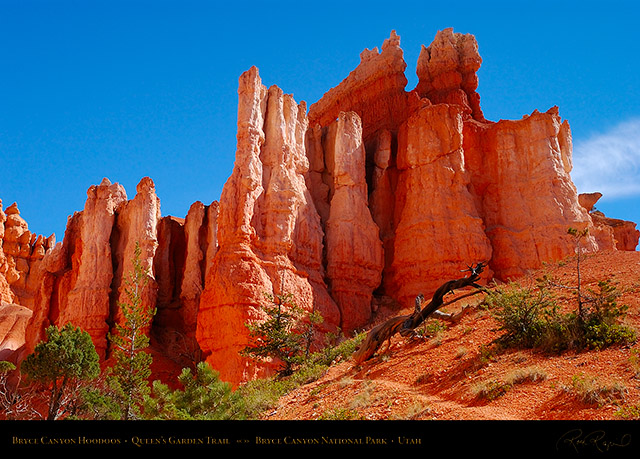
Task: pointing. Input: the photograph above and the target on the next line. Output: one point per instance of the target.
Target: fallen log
(406, 324)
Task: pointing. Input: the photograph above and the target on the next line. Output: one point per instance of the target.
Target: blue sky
(127, 89)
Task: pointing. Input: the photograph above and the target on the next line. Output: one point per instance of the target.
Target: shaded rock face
(374, 195)
(14, 320)
(186, 249)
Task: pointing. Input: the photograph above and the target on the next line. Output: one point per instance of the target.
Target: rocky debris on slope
(374, 195)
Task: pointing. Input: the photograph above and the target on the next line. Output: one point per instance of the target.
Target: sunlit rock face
(270, 237)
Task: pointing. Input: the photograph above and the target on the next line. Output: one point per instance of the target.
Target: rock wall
(373, 195)
(86, 298)
(446, 72)
(375, 90)
(521, 180)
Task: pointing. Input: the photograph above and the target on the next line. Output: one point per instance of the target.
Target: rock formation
(376, 194)
(24, 279)
(135, 227)
(624, 233)
(434, 238)
(186, 248)
(14, 320)
(521, 181)
(447, 72)
(81, 280)
(375, 90)
(270, 239)
(354, 253)
(86, 298)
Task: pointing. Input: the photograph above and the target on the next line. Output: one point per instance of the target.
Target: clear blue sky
(127, 89)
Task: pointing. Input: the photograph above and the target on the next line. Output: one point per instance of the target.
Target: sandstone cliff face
(625, 233)
(186, 248)
(24, 279)
(86, 298)
(447, 72)
(375, 90)
(6, 294)
(135, 227)
(375, 195)
(14, 320)
(81, 280)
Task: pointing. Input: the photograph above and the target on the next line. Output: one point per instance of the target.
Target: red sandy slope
(438, 377)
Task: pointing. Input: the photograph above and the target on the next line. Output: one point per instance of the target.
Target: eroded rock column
(87, 302)
(438, 229)
(520, 176)
(353, 247)
(270, 239)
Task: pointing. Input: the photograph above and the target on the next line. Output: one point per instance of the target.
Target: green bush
(128, 378)
(203, 397)
(530, 319)
(261, 395)
(523, 314)
(600, 322)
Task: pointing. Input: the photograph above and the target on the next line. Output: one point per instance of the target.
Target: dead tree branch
(405, 325)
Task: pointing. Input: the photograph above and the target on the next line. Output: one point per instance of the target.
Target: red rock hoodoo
(374, 194)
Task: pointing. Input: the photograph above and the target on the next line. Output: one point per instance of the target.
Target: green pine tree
(203, 397)
(578, 235)
(286, 334)
(59, 364)
(128, 378)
